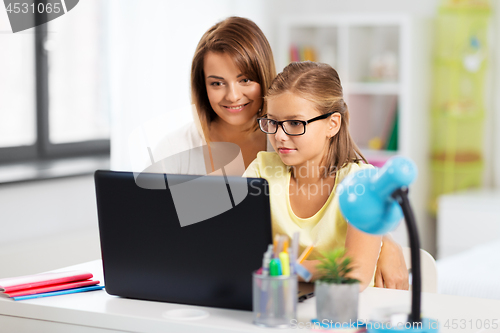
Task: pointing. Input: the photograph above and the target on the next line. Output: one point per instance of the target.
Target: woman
(232, 69)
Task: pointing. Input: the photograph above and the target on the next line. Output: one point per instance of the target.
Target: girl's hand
(310, 265)
(391, 267)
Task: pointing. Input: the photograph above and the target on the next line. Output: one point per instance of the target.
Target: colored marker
(275, 246)
(285, 244)
(274, 267)
(295, 244)
(295, 251)
(285, 263)
(265, 263)
(279, 248)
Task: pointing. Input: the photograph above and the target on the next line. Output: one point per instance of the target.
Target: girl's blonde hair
(320, 84)
(246, 44)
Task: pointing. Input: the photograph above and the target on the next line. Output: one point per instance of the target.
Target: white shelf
(373, 88)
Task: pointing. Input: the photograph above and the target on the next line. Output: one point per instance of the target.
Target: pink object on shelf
(378, 161)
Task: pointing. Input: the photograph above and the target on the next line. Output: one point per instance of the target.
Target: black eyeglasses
(290, 127)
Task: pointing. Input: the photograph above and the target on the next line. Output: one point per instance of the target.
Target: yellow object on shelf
(376, 143)
(309, 54)
(302, 53)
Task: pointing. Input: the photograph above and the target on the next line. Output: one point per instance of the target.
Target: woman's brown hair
(246, 44)
(320, 84)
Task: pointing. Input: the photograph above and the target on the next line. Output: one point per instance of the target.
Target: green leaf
(334, 266)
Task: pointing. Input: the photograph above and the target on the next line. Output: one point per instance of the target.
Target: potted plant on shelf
(336, 293)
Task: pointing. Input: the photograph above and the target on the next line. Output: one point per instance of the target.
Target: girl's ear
(334, 124)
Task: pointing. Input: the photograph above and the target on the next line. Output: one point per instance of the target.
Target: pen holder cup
(274, 300)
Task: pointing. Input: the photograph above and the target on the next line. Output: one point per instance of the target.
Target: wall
(418, 8)
(47, 225)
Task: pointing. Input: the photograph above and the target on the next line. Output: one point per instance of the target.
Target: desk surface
(99, 312)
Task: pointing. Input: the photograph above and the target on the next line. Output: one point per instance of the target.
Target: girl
(307, 124)
(232, 69)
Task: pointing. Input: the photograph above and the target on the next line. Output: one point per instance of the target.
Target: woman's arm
(391, 267)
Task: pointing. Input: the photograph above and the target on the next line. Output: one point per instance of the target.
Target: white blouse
(181, 152)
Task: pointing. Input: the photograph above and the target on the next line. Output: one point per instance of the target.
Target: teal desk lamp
(375, 201)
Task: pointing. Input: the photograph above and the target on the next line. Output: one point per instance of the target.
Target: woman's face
(234, 98)
(303, 150)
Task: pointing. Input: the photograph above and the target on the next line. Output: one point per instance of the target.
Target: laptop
(182, 239)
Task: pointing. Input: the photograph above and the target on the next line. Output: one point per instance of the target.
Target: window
(53, 87)
(17, 91)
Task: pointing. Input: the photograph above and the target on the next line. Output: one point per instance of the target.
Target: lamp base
(426, 326)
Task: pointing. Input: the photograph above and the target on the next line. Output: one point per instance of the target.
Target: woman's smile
(235, 108)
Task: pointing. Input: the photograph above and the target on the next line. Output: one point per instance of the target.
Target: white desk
(98, 312)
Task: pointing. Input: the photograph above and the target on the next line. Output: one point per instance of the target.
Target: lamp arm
(401, 195)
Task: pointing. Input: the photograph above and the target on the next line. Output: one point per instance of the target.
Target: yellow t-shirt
(326, 229)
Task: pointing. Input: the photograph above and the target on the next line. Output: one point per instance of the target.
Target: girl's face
(233, 96)
(307, 149)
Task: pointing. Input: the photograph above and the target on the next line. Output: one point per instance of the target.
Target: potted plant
(336, 294)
